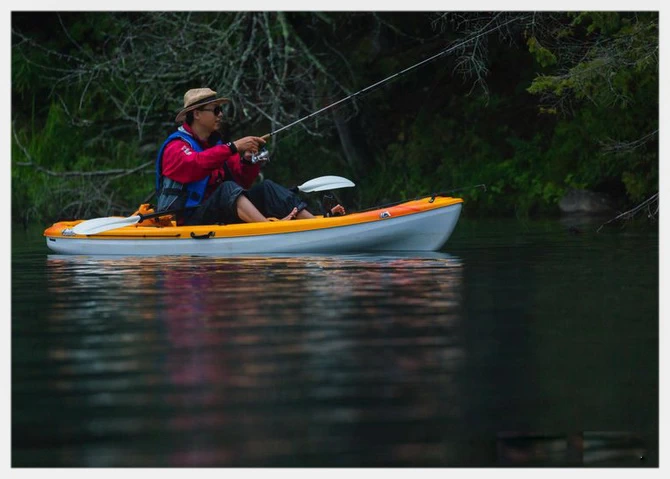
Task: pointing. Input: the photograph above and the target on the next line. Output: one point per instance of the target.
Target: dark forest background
(531, 104)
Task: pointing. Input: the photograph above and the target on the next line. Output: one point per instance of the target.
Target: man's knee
(270, 185)
(230, 188)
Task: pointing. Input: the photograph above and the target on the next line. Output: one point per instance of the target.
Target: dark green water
(520, 344)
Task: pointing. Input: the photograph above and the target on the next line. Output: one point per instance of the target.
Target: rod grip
(266, 137)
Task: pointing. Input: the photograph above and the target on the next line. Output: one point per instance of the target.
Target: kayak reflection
(257, 360)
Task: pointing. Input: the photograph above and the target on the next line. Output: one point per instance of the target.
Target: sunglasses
(216, 110)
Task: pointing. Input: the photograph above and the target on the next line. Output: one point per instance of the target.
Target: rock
(585, 202)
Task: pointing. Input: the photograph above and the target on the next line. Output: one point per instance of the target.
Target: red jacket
(184, 165)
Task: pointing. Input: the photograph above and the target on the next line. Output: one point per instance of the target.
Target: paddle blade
(322, 183)
(100, 225)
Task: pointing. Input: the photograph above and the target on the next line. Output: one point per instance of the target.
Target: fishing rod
(396, 75)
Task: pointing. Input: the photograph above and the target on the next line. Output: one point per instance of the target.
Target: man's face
(209, 116)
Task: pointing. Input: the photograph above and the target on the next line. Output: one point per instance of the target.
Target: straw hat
(196, 98)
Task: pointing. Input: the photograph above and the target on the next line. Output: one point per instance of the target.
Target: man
(195, 168)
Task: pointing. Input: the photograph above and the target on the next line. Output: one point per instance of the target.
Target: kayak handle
(205, 236)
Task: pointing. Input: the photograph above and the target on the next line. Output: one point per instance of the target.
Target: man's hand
(249, 143)
(338, 210)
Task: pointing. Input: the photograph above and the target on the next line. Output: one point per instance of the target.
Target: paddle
(100, 225)
(322, 183)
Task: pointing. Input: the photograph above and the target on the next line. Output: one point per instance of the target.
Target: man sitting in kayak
(195, 168)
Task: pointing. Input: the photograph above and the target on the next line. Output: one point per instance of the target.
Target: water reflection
(342, 361)
(288, 360)
(587, 448)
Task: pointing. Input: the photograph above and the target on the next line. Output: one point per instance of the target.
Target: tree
(94, 94)
(605, 65)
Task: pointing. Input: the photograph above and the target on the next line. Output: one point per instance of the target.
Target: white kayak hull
(422, 231)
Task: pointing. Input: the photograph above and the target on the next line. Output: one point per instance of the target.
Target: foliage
(610, 98)
(64, 183)
(529, 104)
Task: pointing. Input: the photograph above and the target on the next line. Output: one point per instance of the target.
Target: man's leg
(247, 212)
(272, 199)
(335, 210)
(227, 204)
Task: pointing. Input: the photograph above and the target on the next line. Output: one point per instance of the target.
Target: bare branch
(649, 204)
(613, 146)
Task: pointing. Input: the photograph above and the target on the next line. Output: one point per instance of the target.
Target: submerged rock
(585, 202)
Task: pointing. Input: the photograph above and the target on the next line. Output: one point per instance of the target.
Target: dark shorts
(270, 198)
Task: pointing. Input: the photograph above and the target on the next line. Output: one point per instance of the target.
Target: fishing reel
(262, 157)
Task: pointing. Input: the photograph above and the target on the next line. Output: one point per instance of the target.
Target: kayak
(418, 225)
(423, 224)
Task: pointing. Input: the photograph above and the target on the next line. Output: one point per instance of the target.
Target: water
(521, 343)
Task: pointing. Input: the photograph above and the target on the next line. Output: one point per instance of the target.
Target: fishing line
(387, 79)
